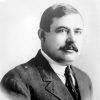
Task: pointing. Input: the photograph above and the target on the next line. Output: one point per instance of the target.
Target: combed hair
(56, 11)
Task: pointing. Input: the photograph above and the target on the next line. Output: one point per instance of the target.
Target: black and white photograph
(49, 49)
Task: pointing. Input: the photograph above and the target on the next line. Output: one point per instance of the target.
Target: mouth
(69, 48)
(69, 51)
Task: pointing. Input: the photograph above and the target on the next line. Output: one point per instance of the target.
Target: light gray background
(19, 23)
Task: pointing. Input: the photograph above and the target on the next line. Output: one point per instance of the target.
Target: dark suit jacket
(36, 80)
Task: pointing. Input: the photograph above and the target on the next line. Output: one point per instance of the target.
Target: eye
(61, 30)
(78, 31)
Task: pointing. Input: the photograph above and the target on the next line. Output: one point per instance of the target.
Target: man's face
(63, 42)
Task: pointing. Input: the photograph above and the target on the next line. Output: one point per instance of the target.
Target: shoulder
(84, 80)
(82, 75)
(17, 78)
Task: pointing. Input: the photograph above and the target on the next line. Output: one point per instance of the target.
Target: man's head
(61, 33)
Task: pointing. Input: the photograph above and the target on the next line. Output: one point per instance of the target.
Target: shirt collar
(58, 68)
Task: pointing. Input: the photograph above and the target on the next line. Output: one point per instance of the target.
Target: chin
(70, 58)
(66, 62)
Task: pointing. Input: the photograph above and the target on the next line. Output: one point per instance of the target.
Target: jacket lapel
(53, 83)
(58, 89)
(81, 80)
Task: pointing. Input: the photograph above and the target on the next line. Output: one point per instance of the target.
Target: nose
(71, 36)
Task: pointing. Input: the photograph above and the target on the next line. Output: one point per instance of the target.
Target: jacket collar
(54, 84)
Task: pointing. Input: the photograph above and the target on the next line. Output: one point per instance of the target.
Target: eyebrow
(67, 28)
(62, 27)
(78, 29)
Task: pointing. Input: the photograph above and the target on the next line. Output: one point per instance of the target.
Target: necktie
(71, 83)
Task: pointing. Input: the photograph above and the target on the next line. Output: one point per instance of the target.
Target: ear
(41, 34)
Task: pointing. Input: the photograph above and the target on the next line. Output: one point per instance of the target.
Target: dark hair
(55, 11)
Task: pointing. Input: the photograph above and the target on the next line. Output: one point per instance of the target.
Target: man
(51, 75)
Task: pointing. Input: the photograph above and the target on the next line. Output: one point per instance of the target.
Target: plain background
(19, 42)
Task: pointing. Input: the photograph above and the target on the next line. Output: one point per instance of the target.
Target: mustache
(69, 46)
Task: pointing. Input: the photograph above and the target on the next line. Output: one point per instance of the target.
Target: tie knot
(67, 71)
(69, 74)
(71, 83)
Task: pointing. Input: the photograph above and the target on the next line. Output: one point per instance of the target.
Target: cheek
(55, 41)
(51, 42)
(60, 39)
(79, 42)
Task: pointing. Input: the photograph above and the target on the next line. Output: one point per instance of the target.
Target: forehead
(70, 21)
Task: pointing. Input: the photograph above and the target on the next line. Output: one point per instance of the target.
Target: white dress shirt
(57, 67)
